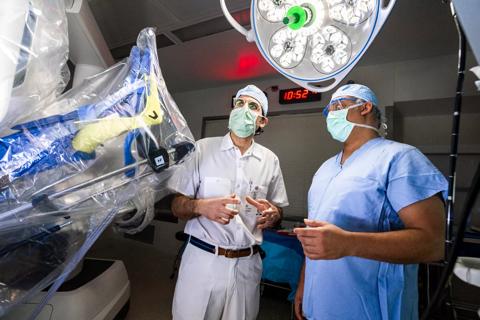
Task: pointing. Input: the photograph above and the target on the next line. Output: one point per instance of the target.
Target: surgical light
(350, 12)
(314, 43)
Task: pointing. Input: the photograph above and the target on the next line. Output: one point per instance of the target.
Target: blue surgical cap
(357, 91)
(255, 93)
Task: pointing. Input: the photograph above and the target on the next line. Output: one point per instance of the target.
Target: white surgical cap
(357, 91)
(257, 94)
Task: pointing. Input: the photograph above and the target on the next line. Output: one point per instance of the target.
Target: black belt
(228, 253)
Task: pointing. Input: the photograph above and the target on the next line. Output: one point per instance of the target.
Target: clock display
(298, 95)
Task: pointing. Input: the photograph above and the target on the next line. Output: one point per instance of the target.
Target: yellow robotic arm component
(91, 135)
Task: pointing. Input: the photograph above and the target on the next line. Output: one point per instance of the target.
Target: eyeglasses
(252, 105)
(339, 104)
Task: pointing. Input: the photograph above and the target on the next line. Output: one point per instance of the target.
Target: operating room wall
(399, 81)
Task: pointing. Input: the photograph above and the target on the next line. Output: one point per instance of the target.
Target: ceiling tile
(121, 20)
(212, 26)
(198, 10)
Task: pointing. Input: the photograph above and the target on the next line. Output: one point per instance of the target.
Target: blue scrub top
(365, 194)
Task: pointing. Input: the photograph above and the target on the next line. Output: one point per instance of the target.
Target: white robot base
(468, 270)
(100, 291)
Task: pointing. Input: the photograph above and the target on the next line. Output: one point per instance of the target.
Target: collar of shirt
(254, 150)
(363, 148)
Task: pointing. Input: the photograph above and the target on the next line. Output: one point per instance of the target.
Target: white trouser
(212, 287)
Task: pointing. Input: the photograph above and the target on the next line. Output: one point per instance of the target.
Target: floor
(151, 287)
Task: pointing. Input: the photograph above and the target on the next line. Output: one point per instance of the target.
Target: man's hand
(270, 214)
(216, 209)
(322, 240)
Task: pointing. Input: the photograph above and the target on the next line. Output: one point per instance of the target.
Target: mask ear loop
(384, 126)
(258, 130)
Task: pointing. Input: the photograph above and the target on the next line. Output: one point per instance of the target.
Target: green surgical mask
(339, 127)
(242, 122)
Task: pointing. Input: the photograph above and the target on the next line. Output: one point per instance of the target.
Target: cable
(455, 130)
(452, 246)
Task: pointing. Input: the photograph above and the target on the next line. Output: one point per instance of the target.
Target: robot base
(100, 291)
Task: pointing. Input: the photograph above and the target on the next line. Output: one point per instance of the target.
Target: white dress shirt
(217, 169)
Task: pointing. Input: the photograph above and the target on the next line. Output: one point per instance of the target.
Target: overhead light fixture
(314, 43)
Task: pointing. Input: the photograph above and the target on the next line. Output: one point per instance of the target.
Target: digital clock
(298, 95)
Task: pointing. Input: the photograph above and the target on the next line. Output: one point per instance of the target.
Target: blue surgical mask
(242, 122)
(338, 125)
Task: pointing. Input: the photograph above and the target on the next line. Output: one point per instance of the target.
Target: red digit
(305, 93)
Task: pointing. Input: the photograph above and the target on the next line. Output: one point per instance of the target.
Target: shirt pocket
(212, 187)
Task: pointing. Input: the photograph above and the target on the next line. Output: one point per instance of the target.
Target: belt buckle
(229, 253)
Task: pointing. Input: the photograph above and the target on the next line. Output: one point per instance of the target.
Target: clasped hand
(270, 214)
(323, 240)
(217, 209)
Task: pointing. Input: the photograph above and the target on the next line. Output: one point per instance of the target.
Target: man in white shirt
(231, 190)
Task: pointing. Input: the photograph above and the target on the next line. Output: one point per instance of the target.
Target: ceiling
(414, 30)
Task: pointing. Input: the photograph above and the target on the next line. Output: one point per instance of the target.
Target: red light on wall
(248, 61)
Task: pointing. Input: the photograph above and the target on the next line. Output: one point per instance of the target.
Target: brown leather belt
(227, 253)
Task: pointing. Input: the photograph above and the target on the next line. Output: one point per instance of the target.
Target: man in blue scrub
(375, 211)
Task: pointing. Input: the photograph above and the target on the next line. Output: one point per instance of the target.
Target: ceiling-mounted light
(313, 42)
(350, 12)
(331, 49)
(287, 48)
(273, 11)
